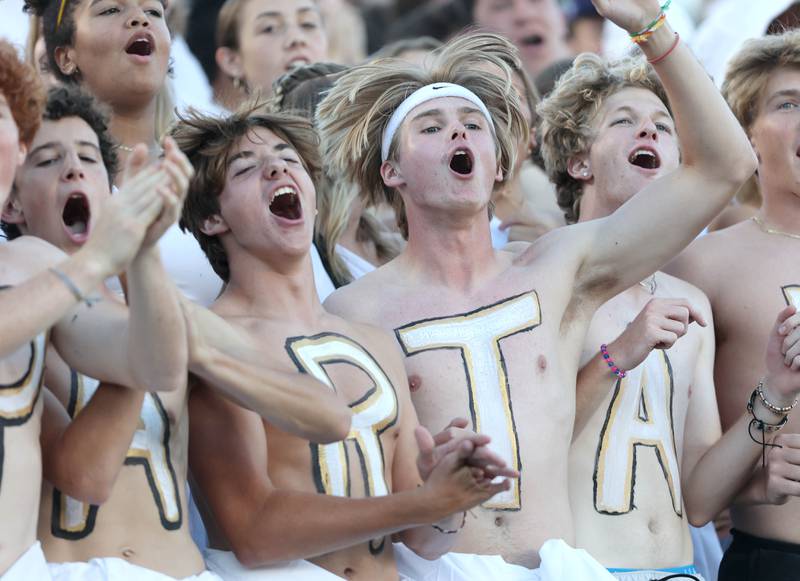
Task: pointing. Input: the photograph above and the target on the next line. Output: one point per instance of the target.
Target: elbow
(253, 553)
(339, 426)
(88, 488)
(419, 545)
(162, 382)
(333, 427)
(698, 517)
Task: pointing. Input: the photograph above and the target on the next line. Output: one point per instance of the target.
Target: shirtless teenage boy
(497, 335)
(273, 497)
(141, 528)
(646, 458)
(49, 300)
(748, 271)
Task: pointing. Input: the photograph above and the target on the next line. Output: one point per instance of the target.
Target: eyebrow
(784, 93)
(57, 144)
(278, 14)
(628, 109)
(438, 113)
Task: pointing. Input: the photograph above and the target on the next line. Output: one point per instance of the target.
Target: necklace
(157, 149)
(650, 284)
(767, 230)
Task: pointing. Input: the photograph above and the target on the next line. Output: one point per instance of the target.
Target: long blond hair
(351, 119)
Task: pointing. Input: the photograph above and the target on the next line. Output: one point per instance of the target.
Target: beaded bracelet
(621, 373)
(777, 410)
(761, 425)
(657, 22)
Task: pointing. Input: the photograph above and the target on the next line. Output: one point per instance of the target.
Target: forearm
(75, 463)
(157, 351)
(434, 540)
(296, 525)
(710, 136)
(735, 455)
(282, 398)
(593, 384)
(37, 304)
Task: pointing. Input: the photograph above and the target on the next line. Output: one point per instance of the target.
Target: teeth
(643, 152)
(285, 190)
(460, 152)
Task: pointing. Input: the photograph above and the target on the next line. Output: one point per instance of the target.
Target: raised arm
(224, 359)
(145, 348)
(228, 458)
(34, 304)
(716, 159)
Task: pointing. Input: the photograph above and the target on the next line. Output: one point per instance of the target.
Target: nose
(648, 130)
(73, 170)
(295, 36)
(138, 18)
(458, 131)
(275, 168)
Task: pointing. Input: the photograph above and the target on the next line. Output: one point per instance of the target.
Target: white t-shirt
(357, 266)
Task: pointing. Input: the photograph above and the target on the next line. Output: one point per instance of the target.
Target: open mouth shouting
(75, 216)
(285, 204)
(533, 40)
(461, 162)
(645, 158)
(141, 45)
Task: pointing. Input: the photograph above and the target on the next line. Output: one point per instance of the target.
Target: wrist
(610, 358)
(659, 42)
(148, 256)
(777, 399)
(95, 265)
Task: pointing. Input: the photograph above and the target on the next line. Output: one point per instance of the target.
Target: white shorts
(560, 562)
(114, 569)
(707, 551)
(227, 566)
(31, 565)
(653, 575)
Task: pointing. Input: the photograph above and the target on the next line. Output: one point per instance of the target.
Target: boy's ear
(214, 226)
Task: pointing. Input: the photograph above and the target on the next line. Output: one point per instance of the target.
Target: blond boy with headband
(761, 275)
(496, 335)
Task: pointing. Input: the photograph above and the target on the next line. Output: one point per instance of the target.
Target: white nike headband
(426, 93)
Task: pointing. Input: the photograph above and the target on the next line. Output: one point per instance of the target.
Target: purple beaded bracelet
(621, 373)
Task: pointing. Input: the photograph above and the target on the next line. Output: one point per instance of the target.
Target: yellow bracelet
(643, 37)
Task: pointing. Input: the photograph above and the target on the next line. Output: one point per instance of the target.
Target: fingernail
(782, 329)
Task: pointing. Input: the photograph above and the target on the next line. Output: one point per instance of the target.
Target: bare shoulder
(564, 245)
(699, 263)
(361, 299)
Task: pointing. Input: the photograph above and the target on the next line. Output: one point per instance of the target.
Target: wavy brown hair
(566, 115)
(208, 142)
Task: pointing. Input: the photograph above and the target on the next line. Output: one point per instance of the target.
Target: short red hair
(23, 90)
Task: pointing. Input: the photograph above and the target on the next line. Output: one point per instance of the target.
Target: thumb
(136, 160)
(424, 442)
(696, 316)
(782, 316)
